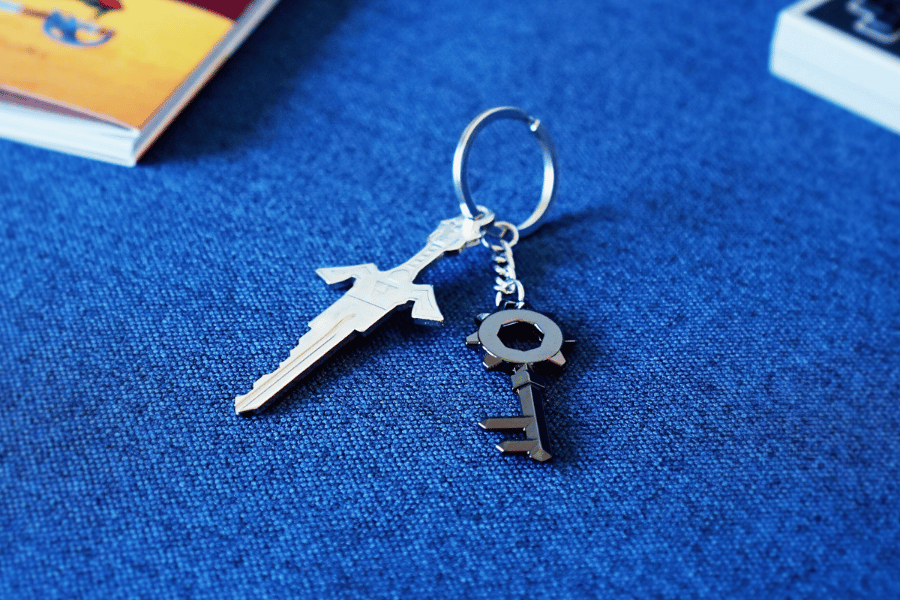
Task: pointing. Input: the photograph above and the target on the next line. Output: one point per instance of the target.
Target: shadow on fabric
(229, 109)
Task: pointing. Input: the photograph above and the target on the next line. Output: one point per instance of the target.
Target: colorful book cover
(116, 61)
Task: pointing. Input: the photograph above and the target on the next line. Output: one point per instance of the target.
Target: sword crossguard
(386, 288)
(425, 309)
(342, 275)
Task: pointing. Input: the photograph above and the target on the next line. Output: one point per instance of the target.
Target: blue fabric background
(725, 248)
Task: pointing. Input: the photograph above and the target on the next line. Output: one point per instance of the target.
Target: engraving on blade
(312, 349)
(373, 296)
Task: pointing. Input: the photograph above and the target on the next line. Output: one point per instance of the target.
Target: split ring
(461, 159)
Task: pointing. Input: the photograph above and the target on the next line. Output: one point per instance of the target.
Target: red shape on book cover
(103, 6)
(227, 8)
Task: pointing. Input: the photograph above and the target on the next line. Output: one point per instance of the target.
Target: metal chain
(506, 283)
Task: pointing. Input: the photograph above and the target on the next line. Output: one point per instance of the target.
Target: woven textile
(724, 248)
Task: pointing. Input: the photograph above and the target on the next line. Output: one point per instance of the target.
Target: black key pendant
(524, 344)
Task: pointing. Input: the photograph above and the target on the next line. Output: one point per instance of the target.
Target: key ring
(461, 159)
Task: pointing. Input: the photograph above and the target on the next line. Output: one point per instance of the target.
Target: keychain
(523, 344)
(519, 342)
(375, 294)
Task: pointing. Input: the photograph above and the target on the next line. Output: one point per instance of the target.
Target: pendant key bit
(524, 368)
(372, 298)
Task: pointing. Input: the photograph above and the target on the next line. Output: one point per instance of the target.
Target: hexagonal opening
(520, 335)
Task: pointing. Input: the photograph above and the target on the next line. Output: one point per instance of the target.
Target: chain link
(506, 283)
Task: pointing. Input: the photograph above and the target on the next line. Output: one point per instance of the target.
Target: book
(846, 51)
(103, 78)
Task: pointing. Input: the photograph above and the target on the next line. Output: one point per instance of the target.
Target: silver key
(372, 298)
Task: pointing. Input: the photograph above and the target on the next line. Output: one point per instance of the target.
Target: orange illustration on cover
(119, 59)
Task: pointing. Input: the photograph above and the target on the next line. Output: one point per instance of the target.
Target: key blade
(313, 348)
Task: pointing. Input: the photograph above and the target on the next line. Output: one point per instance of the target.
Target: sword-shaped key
(372, 298)
(493, 332)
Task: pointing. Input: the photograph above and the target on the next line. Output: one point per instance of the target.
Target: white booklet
(847, 51)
